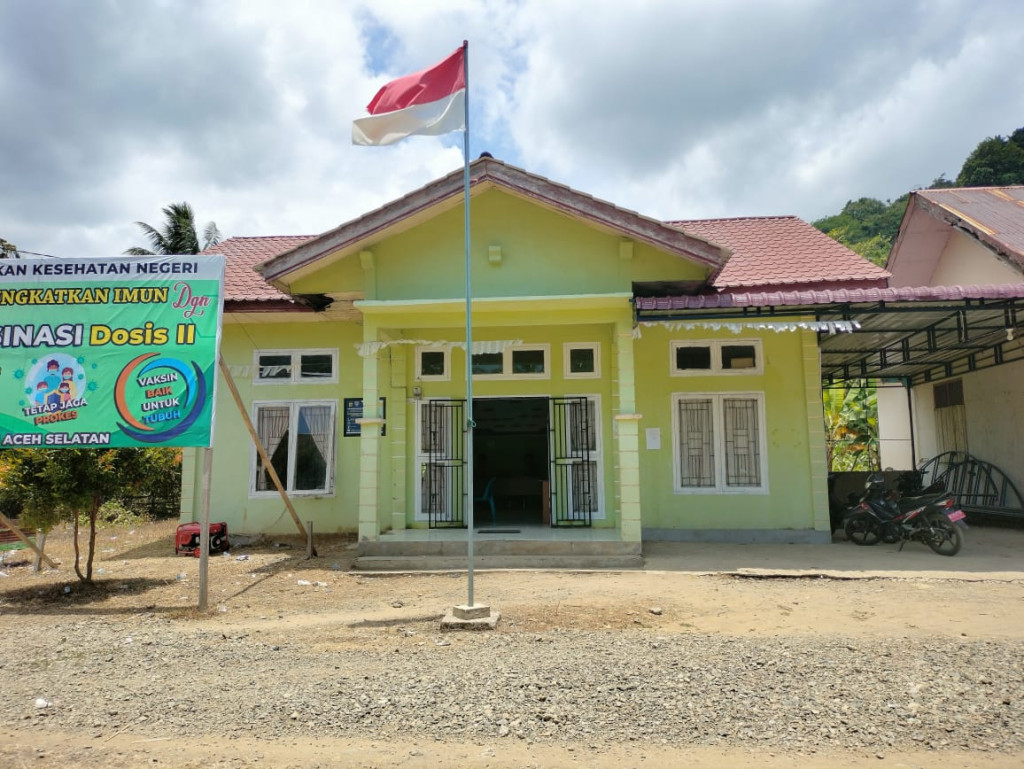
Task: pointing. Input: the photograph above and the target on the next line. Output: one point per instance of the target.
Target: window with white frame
(701, 358)
(432, 363)
(298, 437)
(581, 360)
(292, 366)
(526, 361)
(719, 442)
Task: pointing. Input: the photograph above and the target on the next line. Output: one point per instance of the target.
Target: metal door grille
(573, 471)
(442, 447)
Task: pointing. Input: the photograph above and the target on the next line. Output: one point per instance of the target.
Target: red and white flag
(430, 102)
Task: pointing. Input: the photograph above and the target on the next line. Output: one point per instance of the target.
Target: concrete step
(401, 563)
(385, 547)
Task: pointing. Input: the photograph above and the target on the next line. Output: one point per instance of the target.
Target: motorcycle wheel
(943, 536)
(862, 529)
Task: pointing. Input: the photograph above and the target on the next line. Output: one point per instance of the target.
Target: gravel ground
(578, 686)
(304, 664)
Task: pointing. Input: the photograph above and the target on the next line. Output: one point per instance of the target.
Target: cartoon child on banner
(58, 380)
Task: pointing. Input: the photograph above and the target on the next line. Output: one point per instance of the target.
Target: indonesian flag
(430, 102)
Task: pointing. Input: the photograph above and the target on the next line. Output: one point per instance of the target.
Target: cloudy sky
(111, 109)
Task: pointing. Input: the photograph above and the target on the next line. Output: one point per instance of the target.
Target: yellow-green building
(593, 411)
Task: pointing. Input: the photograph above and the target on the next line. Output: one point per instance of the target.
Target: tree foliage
(995, 162)
(851, 428)
(54, 485)
(177, 234)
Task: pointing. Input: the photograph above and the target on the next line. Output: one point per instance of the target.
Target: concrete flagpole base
(476, 617)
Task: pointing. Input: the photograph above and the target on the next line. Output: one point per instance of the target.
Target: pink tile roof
(798, 298)
(782, 251)
(241, 282)
(779, 252)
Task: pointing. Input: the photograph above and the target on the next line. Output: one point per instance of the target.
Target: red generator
(186, 538)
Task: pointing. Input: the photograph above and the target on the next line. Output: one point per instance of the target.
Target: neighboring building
(349, 356)
(960, 239)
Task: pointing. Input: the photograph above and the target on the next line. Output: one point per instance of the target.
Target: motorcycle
(933, 518)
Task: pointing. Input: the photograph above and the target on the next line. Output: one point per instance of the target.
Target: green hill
(869, 226)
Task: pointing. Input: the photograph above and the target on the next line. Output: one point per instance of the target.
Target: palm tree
(178, 234)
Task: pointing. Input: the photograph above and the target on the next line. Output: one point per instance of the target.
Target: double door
(573, 469)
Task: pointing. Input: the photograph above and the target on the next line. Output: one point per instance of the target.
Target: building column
(398, 406)
(627, 444)
(816, 432)
(369, 441)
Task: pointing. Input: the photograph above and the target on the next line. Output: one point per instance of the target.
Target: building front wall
(500, 453)
(539, 278)
(232, 498)
(793, 439)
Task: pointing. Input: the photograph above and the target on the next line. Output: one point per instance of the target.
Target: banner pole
(470, 424)
(204, 531)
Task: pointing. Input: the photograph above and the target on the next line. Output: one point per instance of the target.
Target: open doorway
(511, 466)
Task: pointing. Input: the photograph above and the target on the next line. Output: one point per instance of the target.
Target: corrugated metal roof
(782, 251)
(994, 214)
(924, 334)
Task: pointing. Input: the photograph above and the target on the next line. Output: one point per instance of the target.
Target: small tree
(61, 484)
(851, 428)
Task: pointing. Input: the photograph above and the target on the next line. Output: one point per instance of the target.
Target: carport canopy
(916, 334)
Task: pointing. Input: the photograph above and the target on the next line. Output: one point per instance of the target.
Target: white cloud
(676, 109)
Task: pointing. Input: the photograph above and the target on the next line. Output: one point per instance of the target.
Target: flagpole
(470, 424)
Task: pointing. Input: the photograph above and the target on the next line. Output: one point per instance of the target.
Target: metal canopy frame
(914, 341)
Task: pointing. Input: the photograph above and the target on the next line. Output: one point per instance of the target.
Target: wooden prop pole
(259, 447)
(28, 542)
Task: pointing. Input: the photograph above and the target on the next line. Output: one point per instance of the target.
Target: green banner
(109, 352)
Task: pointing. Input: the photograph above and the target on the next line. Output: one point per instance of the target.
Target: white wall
(894, 445)
(994, 401)
(925, 440)
(965, 262)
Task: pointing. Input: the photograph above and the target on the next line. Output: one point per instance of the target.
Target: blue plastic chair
(488, 497)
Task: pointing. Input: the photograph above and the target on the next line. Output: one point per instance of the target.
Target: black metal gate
(442, 446)
(573, 471)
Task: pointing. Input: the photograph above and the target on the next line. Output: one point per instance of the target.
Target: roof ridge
(265, 237)
(960, 189)
(734, 219)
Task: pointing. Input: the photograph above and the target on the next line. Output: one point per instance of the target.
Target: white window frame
(718, 425)
(568, 347)
(296, 366)
(506, 363)
(716, 345)
(420, 376)
(293, 421)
